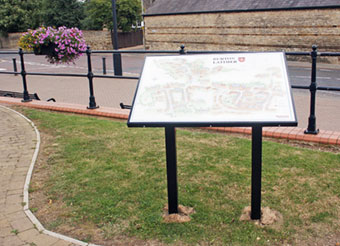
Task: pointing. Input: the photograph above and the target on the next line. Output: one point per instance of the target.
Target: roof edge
(245, 10)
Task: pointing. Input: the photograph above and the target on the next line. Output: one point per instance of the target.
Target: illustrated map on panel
(214, 88)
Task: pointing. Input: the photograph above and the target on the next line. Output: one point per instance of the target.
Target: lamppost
(117, 59)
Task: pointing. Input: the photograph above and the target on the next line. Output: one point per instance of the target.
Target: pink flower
(69, 42)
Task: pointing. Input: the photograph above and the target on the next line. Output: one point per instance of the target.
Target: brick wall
(10, 42)
(98, 40)
(295, 30)
(101, 40)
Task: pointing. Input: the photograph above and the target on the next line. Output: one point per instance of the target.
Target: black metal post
(92, 103)
(171, 168)
(26, 96)
(256, 172)
(117, 67)
(117, 59)
(104, 65)
(15, 69)
(182, 50)
(311, 129)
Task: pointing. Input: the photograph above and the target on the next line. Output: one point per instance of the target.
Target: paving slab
(17, 148)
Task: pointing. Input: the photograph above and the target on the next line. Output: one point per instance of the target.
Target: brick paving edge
(29, 214)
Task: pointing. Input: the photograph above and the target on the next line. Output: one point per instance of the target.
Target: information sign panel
(229, 89)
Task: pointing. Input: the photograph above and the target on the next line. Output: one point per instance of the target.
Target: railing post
(15, 69)
(182, 50)
(104, 65)
(311, 129)
(92, 103)
(26, 96)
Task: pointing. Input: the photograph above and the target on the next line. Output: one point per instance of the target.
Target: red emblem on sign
(241, 59)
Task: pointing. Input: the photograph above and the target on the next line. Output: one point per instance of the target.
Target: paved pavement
(17, 149)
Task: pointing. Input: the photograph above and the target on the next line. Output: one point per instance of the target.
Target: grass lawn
(105, 183)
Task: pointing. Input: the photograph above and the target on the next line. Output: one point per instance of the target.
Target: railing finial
(182, 50)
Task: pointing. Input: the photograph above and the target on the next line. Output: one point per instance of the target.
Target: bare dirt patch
(269, 217)
(182, 216)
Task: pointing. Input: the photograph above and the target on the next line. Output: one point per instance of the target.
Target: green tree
(128, 13)
(67, 13)
(18, 16)
(99, 14)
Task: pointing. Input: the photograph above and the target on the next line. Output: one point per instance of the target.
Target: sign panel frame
(213, 123)
(170, 126)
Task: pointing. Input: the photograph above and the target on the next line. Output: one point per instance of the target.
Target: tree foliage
(128, 13)
(18, 16)
(67, 13)
(99, 14)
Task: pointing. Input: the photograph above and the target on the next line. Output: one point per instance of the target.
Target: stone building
(257, 25)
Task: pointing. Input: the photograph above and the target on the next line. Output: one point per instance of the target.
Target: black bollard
(15, 69)
(104, 65)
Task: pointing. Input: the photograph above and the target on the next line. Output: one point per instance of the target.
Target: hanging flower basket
(62, 45)
(48, 50)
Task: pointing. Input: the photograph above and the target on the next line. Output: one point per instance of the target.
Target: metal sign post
(256, 172)
(217, 90)
(171, 168)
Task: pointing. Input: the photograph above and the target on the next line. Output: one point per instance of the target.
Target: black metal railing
(313, 87)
